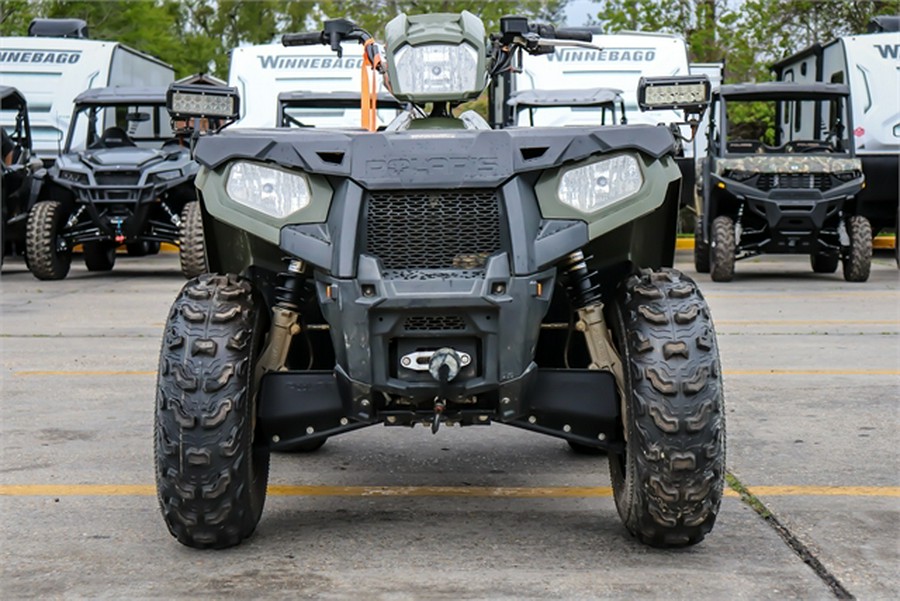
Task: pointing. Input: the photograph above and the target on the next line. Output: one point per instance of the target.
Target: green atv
(440, 272)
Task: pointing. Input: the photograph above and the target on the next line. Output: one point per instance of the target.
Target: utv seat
(115, 137)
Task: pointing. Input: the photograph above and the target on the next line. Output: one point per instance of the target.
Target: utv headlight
(73, 176)
(272, 191)
(436, 69)
(847, 176)
(738, 175)
(598, 185)
(167, 176)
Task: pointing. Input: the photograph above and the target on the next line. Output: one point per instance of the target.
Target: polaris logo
(286, 61)
(431, 166)
(66, 57)
(888, 50)
(607, 55)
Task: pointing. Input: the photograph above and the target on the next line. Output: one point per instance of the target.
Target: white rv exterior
(262, 72)
(51, 72)
(623, 60)
(714, 71)
(870, 65)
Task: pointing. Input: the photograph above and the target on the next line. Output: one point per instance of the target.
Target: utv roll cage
(607, 99)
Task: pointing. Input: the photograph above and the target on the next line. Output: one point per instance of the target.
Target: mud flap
(301, 407)
(579, 405)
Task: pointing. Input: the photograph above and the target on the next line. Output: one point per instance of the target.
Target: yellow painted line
(554, 492)
(795, 322)
(825, 491)
(812, 372)
(880, 242)
(27, 373)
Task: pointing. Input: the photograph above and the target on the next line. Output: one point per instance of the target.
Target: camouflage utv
(790, 189)
(440, 273)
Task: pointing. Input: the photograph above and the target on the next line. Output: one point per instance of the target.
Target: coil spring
(580, 282)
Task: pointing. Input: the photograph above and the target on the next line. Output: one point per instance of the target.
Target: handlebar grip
(303, 39)
(574, 33)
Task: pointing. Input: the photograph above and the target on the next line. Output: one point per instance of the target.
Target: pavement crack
(797, 546)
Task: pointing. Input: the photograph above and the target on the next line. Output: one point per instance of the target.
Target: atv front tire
(722, 253)
(211, 472)
(99, 256)
(668, 483)
(192, 251)
(822, 263)
(858, 256)
(46, 254)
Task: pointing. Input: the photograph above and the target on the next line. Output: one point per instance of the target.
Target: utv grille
(433, 229)
(434, 323)
(794, 181)
(118, 178)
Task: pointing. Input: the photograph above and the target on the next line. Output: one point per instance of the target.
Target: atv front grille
(794, 181)
(434, 323)
(433, 229)
(118, 178)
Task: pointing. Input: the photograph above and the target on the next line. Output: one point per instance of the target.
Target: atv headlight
(436, 69)
(272, 191)
(593, 187)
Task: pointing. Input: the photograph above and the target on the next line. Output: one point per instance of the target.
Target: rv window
(837, 77)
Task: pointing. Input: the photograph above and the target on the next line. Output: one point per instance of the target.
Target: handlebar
(312, 38)
(574, 33)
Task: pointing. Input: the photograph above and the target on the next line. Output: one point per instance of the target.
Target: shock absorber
(586, 295)
(579, 280)
(285, 318)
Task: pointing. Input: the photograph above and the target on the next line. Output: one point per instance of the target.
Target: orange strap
(369, 95)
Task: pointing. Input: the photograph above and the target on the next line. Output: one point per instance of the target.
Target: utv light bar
(198, 101)
(690, 94)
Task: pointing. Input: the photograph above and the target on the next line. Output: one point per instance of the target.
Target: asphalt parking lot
(812, 373)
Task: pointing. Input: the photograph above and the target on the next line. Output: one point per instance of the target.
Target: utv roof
(579, 97)
(781, 90)
(11, 98)
(122, 95)
(334, 100)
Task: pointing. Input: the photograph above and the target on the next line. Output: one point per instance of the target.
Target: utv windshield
(783, 125)
(120, 125)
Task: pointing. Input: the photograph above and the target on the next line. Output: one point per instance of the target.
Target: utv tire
(858, 258)
(701, 249)
(824, 263)
(45, 256)
(142, 249)
(211, 473)
(99, 256)
(192, 243)
(668, 482)
(722, 253)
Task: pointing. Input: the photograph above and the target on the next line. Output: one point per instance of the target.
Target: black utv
(125, 177)
(788, 189)
(18, 167)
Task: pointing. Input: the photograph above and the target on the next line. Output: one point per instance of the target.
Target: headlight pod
(274, 192)
(593, 187)
(436, 69)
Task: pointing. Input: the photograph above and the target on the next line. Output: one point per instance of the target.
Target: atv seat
(115, 137)
(745, 146)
